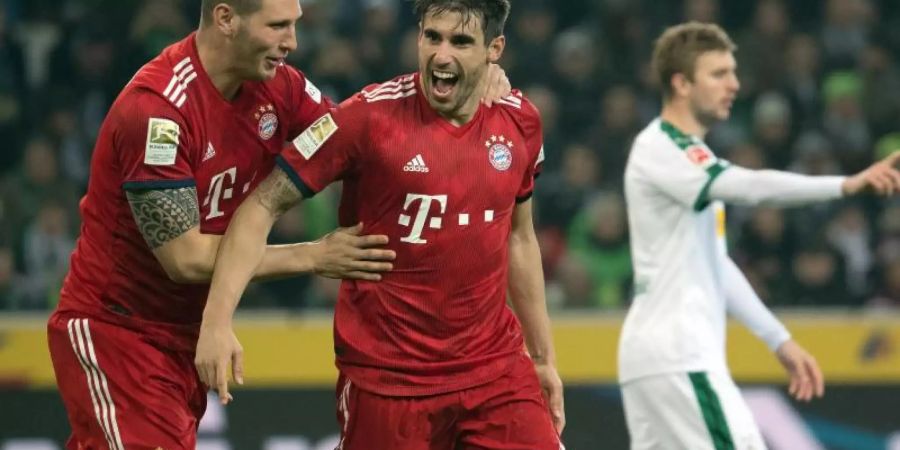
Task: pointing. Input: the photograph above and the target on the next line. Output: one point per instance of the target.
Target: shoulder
(521, 111)
(289, 80)
(171, 75)
(382, 99)
(653, 139)
(390, 91)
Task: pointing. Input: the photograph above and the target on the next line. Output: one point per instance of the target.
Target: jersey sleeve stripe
(703, 197)
(295, 178)
(157, 184)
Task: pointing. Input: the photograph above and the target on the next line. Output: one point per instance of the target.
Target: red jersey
(170, 127)
(445, 196)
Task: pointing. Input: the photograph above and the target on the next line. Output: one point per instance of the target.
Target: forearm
(738, 185)
(745, 306)
(241, 254)
(193, 259)
(526, 287)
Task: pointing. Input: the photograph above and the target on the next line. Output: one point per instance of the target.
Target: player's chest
(237, 148)
(489, 164)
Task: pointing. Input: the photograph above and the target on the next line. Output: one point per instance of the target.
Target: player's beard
(708, 117)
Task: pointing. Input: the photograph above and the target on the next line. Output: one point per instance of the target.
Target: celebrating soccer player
(431, 356)
(676, 386)
(191, 135)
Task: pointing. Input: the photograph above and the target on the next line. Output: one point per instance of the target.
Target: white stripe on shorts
(104, 407)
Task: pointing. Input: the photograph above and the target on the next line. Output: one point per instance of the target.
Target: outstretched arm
(752, 187)
(744, 305)
(526, 288)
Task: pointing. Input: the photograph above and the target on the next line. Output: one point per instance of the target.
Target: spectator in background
(813, 155)
(598, 239)
(378, 38)
(156, 24)
(12, 90)
(881, 89)
(12, 283)
(772, 128)
(612, 135)
(762, 48)
(547, 102)
(887, 291)
(764, 248)
(845, 31)
(849, 234)
(36, 183)
(47, 244)
(577, 79)
(65, 132)
(703, 11)
(844, 121)
(532, 28)
(565, 193)
(818, 277)
(802, 64)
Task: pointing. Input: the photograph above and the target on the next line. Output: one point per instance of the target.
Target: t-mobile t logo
(415, 235)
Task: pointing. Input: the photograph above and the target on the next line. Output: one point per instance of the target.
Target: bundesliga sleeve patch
(701, 156)
(162, 142)
(309, 141)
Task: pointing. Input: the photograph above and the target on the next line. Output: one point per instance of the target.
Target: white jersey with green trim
(676, 322)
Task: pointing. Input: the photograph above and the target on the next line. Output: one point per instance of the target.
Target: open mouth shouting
(443, 83)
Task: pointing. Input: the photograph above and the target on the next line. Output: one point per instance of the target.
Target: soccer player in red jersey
(185, 142)
(430, 357)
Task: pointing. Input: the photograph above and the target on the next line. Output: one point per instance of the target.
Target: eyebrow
(455, 38)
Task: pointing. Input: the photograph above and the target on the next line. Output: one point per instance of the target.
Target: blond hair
(677, 49)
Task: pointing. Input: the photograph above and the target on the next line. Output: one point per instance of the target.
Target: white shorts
(689, 411)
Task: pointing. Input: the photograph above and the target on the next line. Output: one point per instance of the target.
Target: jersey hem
(426, 391)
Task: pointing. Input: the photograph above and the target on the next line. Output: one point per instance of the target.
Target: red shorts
(120, 391)
(509, 413)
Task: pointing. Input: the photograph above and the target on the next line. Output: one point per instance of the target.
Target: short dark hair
(493, 13)
(677, 50)
(241, 7)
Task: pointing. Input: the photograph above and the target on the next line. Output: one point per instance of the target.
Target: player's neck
(680, 116)
(216, 62)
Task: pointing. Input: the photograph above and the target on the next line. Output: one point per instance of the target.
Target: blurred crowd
(820, 95)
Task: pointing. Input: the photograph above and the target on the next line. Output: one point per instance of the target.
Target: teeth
(443, 75)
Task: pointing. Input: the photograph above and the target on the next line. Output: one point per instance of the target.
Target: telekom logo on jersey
(424, 215)
(221, 187)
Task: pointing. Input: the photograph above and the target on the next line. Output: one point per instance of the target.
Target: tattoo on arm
(163, 215)
(277, 193)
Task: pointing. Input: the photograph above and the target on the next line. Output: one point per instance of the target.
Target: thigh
(662, 412)
(741, 424)
(373, 422)
(121, 392)
(509, 413)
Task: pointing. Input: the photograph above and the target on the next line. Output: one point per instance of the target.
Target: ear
(681, 85)
(495, 48)
(225, 19)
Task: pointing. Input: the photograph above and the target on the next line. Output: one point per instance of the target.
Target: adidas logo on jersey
(210, 152)
(416, 164)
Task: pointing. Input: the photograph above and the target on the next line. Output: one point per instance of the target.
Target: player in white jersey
(677, 390)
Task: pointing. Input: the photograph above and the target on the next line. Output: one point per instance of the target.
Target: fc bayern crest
(499, 153)
(268, 121)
